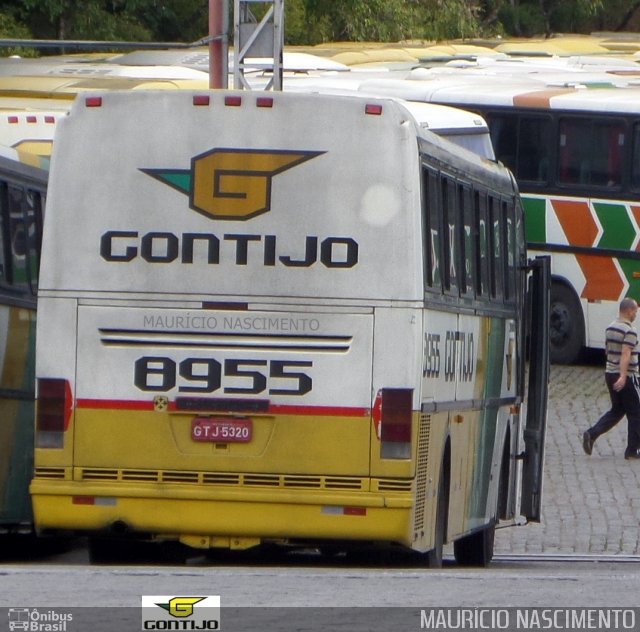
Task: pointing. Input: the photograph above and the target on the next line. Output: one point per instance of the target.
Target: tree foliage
(315, 21)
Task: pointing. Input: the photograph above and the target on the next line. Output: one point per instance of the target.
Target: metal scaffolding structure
(261, 41)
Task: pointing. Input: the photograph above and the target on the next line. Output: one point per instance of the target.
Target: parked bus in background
(466, 129)
(575, 152)
(29, 129)
(22, 196)
(287, 318)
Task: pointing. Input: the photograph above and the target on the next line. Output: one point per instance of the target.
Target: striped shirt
(619, 333)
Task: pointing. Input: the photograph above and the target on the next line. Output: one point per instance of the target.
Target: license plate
(222, 430)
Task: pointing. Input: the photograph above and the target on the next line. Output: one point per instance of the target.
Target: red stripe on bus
(329, 411)
(118, 404)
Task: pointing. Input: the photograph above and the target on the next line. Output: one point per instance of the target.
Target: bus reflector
(54, 405)
(233, 101)
(373, 108)
(201, 99)
(107, 501)
(394, 406)
(93, 102)
(343, 511)
(13, 119)
(264, 102)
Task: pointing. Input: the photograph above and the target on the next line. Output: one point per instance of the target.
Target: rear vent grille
(100, 475)
(50, 472)
(421, 472)
(394, 485)
(214, 478)
(342, 483)
(261, 480)
(302, 481)
(229, 479)
(180, 477)
(139, 475)
(288, 481)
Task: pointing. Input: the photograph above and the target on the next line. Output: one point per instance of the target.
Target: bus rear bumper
(220, 518)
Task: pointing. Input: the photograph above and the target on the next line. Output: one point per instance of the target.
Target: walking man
(621, 376)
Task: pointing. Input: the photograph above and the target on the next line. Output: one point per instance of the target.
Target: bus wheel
(434, 556)
(567, 325)
(475, 549)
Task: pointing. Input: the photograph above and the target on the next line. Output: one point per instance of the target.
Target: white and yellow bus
(272, 317)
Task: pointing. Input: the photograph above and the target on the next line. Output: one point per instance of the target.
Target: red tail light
(394, 409)
(54, 406)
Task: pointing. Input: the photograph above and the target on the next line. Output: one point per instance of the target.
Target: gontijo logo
(180, 613)
(180, 606)
(231, 184)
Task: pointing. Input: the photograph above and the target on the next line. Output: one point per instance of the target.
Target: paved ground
(590, 504)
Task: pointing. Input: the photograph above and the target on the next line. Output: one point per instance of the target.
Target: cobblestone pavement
(590, 504)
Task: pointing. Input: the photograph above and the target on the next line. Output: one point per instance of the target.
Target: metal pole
(218, 62)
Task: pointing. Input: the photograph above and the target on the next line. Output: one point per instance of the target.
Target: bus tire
(566, 334)
(475, 549)
(434, 556)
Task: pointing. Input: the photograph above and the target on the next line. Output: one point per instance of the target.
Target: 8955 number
(206, 375)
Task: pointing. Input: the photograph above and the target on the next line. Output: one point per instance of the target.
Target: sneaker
(587, 444)
(632, 454)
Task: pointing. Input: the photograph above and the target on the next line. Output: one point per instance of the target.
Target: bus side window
(635, 157)
(504, 136)
(18, 238)
(432, 229)
(510, 278)
(480, 236)
(570, 153)
(449, 242)
(496, 249)
(33, 211)
(466, 267)
(534, 146)
(590, 153)
(5, 241)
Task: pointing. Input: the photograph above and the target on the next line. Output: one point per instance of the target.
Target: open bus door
(538, 387)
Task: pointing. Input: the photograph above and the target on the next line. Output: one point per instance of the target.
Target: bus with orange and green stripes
(574, 147)
(23, 185)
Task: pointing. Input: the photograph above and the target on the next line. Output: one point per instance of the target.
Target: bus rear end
(229, 338)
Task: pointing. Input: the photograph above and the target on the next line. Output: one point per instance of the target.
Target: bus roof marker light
(201, 99)
(264, 102)
(373, 108)
(93, 102)
(13, 119)
(233, 100)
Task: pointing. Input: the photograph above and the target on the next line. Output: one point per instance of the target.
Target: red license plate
(222, 429)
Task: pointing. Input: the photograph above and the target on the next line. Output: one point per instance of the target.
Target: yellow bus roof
(46, 87)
